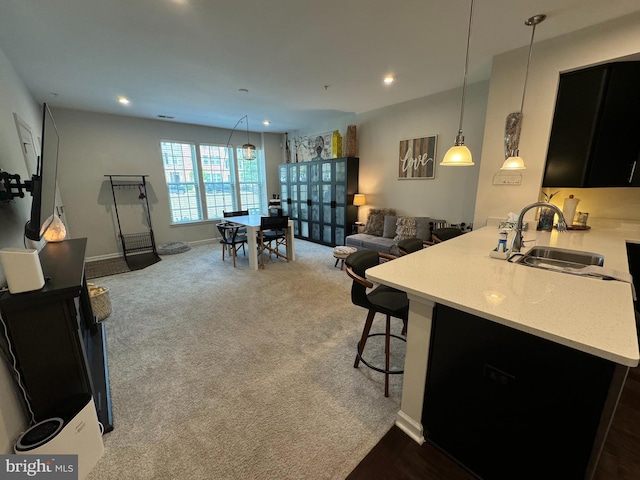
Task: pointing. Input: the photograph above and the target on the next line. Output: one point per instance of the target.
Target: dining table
(252, 224)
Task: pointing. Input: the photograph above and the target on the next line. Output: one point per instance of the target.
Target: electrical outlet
(498, 376)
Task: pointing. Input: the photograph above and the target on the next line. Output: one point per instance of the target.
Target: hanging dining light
(248, 149)
(514, 120)
(459, 154)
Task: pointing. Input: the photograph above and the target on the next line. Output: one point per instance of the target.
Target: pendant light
(248, 150)
(459, 154)
(514, 120)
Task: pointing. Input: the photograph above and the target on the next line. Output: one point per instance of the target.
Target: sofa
(384, 229)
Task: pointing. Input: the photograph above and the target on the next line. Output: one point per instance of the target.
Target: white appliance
(76, 431)
(22, 269)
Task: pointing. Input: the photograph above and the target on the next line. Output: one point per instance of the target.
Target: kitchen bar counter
(590, 315)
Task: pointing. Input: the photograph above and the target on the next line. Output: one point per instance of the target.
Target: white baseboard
(409, 426)
(118, 254)
(103, 257)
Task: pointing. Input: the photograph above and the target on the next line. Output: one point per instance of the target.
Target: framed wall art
(417, 158)
(313, 147)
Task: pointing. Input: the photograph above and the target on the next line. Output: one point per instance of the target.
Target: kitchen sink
(559, 259)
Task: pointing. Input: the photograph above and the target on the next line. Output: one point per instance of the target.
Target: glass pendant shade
(513, 163)
(458, 156)
(249, 151)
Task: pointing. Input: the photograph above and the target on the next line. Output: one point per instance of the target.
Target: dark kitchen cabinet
(594, 137)
(633, 256)
(507, 404)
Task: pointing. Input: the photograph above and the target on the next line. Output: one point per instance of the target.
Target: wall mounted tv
(43, 183)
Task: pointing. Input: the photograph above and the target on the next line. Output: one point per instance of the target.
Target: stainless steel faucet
(516, 243)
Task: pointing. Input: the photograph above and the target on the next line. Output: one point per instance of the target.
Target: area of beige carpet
(228, 373)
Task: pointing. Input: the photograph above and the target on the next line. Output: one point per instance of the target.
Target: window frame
(205, 209)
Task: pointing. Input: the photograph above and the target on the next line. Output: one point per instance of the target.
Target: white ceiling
(303, 61)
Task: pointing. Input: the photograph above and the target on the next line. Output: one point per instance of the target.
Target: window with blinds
(205, 180)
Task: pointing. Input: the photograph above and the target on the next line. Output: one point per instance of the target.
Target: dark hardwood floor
(398, 457)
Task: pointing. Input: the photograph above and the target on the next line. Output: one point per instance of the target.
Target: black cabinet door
(595, 136)
(319, 198)
(510, 405)
(617, 145)
(574, 126)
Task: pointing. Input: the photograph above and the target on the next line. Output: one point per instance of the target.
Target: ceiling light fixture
(266, 122)
(389, 79)
(459, 154)
(514, 120)
(248, 150)
(124, 100)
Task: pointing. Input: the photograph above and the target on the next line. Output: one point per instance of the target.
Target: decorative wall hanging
(313, 147)
(417, 158)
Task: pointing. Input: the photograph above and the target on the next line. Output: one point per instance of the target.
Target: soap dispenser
(569, 209)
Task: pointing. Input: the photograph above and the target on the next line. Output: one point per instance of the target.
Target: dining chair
(231, 239)
(271, 236)
(410, 245)
(236, 213)
(275, 211)
(441, 234)
(382, 299)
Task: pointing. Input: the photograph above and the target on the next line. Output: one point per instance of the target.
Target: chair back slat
(274, 223)
(229, 233)
(359, 262)
(236, 213)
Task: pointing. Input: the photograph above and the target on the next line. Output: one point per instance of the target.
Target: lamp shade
(513, 163)
(56, 232)
(458, 156)
(359, 199)
(248, 151)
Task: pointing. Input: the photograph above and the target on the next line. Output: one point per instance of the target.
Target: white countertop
(589, 314)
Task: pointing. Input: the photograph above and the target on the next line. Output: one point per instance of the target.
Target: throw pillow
(389, 230)
(423, 229)
(375, 220)
(405, 228)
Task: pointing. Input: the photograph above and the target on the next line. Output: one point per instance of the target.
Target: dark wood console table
(59, 345)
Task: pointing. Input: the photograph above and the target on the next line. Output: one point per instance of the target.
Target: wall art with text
(417, 158)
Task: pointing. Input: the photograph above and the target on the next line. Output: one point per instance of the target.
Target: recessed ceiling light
(123, 100)
(266, 122)
(389, 79)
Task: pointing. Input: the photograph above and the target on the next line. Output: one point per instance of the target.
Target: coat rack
(139, 248)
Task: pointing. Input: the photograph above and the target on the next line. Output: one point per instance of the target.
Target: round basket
(100, 301)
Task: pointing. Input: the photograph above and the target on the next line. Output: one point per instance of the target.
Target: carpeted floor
(223, 373)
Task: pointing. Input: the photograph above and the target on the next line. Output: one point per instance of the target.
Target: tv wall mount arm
(11, 187)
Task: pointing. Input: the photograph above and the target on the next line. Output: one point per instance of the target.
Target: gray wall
(93, 145)
(451, 194)
(13, 98)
